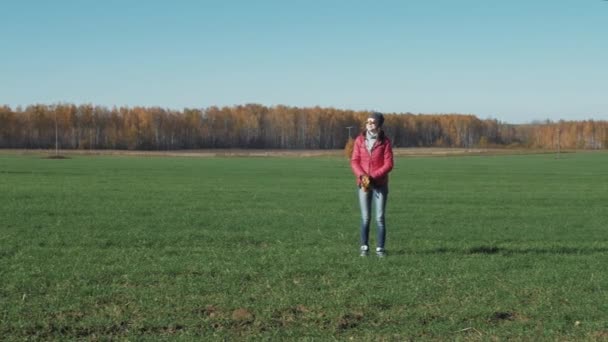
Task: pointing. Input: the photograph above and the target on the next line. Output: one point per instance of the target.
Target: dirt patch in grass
(349, 321)
(499, 316)
(506, 316)
(290, 315)
(242, 316)
(211, 311)
(600, 335)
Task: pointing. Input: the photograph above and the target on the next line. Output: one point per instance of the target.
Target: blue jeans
(378, 195)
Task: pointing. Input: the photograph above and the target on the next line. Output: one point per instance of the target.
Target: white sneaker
(380, 252)
(364, 251)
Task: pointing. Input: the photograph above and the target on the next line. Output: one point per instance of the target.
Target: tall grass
(135, 247)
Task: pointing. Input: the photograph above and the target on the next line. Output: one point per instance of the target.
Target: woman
(371, 161)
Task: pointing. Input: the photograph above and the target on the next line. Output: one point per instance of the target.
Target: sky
(515, 61)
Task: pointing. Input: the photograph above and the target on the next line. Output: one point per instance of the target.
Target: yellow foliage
(348, 149)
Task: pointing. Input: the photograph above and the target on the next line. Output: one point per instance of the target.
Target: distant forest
(254, 126)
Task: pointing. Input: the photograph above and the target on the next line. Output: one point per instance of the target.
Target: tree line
(256, 126)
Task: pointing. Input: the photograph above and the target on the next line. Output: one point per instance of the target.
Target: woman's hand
(366, 182)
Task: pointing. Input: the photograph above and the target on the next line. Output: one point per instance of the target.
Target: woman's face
(371, 125)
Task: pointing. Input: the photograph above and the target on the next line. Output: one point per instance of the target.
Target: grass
(480, 247)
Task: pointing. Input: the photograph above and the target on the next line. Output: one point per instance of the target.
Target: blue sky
(515, 61)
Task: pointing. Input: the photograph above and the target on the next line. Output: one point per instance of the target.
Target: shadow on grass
(490, 250)
(56, 156)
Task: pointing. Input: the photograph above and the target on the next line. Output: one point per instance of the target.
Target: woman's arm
(387, 165)
(355, 160)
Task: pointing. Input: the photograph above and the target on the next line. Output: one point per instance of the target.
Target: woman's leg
(380, 195)
(365, 203)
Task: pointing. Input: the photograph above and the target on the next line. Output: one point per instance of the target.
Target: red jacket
(376, 164)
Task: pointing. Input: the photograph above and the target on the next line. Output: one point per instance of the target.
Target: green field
(480, 247)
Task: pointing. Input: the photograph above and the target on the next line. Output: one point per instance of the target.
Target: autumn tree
(88, 126)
